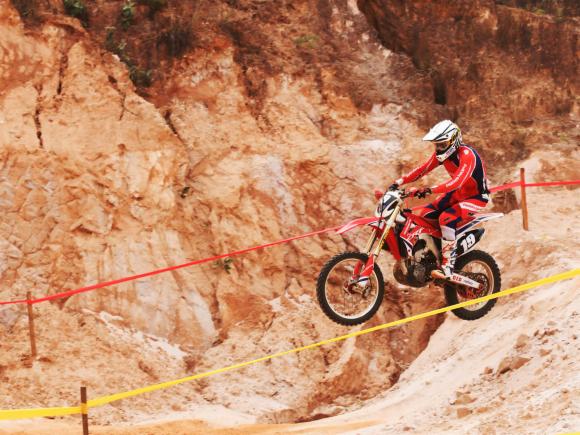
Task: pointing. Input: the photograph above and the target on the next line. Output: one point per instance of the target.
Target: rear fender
(477, 220)
(356, 223)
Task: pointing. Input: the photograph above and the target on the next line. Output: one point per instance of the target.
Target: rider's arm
(463, 173)
(417, 173)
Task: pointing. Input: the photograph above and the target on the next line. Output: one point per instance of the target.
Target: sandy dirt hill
(514, 371)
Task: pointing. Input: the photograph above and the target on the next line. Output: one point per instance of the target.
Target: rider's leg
(448, 222)
(433, 210)
(451, 219)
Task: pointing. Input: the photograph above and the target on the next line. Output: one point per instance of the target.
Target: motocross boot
(448, 254)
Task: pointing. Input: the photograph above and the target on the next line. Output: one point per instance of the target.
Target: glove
(423, 192)
(396, 184)
(419, 193)
(378, 194)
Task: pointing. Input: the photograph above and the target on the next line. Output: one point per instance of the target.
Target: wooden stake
(524, 200)
(84, 411)
(31, 325)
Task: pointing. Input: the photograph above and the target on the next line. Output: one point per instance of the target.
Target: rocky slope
(272, 122)
(100, 183)
(514, 371)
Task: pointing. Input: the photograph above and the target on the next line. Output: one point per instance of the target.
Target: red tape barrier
(243, 251)
(505, 187)
(544, 184)
(167, 269)
(553, 183)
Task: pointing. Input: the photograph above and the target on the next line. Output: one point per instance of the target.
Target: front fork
(362, 277)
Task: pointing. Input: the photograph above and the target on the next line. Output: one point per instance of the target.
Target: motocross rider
(461, 196)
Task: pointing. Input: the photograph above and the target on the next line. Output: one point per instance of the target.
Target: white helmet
(446, 136)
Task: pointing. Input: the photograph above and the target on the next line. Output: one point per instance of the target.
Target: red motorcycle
(350, 287)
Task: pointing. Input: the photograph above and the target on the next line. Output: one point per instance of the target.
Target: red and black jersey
(466, 169)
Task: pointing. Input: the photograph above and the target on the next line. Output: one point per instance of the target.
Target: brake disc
(473, 293)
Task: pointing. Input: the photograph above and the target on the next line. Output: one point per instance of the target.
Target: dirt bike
(350, 287)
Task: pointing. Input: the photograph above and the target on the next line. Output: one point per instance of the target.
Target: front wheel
(482, 268)
(341, 300)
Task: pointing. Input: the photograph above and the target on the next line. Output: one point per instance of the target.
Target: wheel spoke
(345, 301)
(482, 273)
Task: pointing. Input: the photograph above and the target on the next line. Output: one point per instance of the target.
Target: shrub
(226, 264)
(142, 78)
(127, 14)
(77, 9)
(118, 48)
(308, 41)
(26, 8)
(178, 38)
(110, 43)
(120, 51)
(154, 6)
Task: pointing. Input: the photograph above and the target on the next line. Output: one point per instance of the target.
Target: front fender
(356, 223)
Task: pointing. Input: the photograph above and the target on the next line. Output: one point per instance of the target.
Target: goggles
(443, 145)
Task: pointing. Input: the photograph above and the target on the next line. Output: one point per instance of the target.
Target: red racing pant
(453, 211)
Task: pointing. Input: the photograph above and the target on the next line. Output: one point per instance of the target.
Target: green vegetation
(140, 77)
(170, 35)
(225, 264)
(559, 8)
(127, 14)
(308, 41)
(110, 43)
(118, 48)
(77, 9)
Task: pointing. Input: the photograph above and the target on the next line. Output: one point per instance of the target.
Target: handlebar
(403, 193)
(415, 193)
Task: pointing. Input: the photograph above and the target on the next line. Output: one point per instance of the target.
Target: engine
(415, 270)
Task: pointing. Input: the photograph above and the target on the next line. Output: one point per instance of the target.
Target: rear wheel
(481, 267)
(340, 298)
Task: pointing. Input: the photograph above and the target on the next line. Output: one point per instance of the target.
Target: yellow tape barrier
(49, 412)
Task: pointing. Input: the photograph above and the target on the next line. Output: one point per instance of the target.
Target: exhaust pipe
(456, 279)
